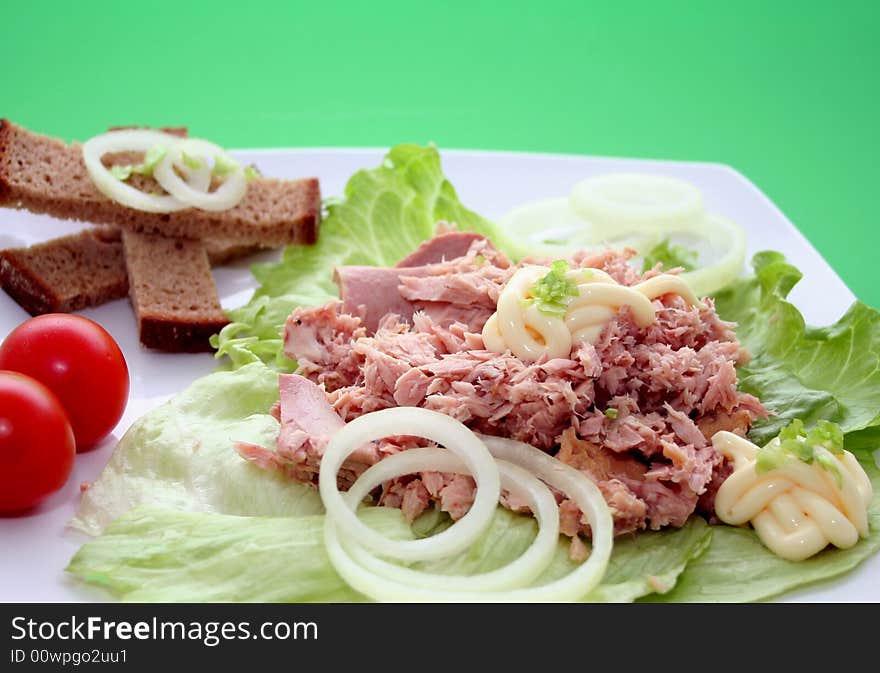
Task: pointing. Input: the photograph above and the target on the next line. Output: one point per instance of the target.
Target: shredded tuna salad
(634, 411)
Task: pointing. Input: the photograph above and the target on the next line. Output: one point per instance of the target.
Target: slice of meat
(305, 405)
(441, 248)
(308, 422)
(371, 292)
(464, 289)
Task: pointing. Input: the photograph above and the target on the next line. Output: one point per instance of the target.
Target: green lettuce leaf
(640, 564)
(670, 256)
(385, 214)
(737, 567)
(181, 456)
(811, 373)
(154, 554)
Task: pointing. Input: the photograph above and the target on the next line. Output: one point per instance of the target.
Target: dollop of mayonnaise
(798, 508)
(520, 326)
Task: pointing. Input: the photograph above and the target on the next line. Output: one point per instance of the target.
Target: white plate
(34, 549)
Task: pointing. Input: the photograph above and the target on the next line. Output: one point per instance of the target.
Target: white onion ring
(376, 578)
(432, 425)
(226, 196)
(137, 140)
(729, 237)
(587, 218)
(586, 495)
(521, 571)
(551, 228)
(574, 586)
(629, 202)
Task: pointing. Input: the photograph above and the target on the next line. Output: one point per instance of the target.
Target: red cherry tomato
(80, 363)
(36, 442)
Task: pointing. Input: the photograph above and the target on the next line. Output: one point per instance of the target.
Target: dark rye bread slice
(66, 274)
(81, 270)
(45, 175)
(172, 291)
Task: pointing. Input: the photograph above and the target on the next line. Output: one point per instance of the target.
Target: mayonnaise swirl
(521, 327)
(532, 333)
(797, 509)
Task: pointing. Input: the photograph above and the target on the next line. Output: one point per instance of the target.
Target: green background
(786, 92)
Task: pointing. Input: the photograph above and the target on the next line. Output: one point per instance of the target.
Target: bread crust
(178, 337)
(5, 189)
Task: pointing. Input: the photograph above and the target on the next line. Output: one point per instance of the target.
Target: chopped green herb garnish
(670, 256)
(793, 430)
(190, 162)
(224, 165)
(153, 156)
(252, 172)
(796, 443)
(611, 414)
(121, 172)
(770, 457)
(552, 292)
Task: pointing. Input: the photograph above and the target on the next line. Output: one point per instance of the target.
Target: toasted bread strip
(172, 291)
(81, 270)
(66, 274)
(44, 175)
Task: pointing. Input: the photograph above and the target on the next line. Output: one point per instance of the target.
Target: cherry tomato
(36, 442)
(80, 363)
